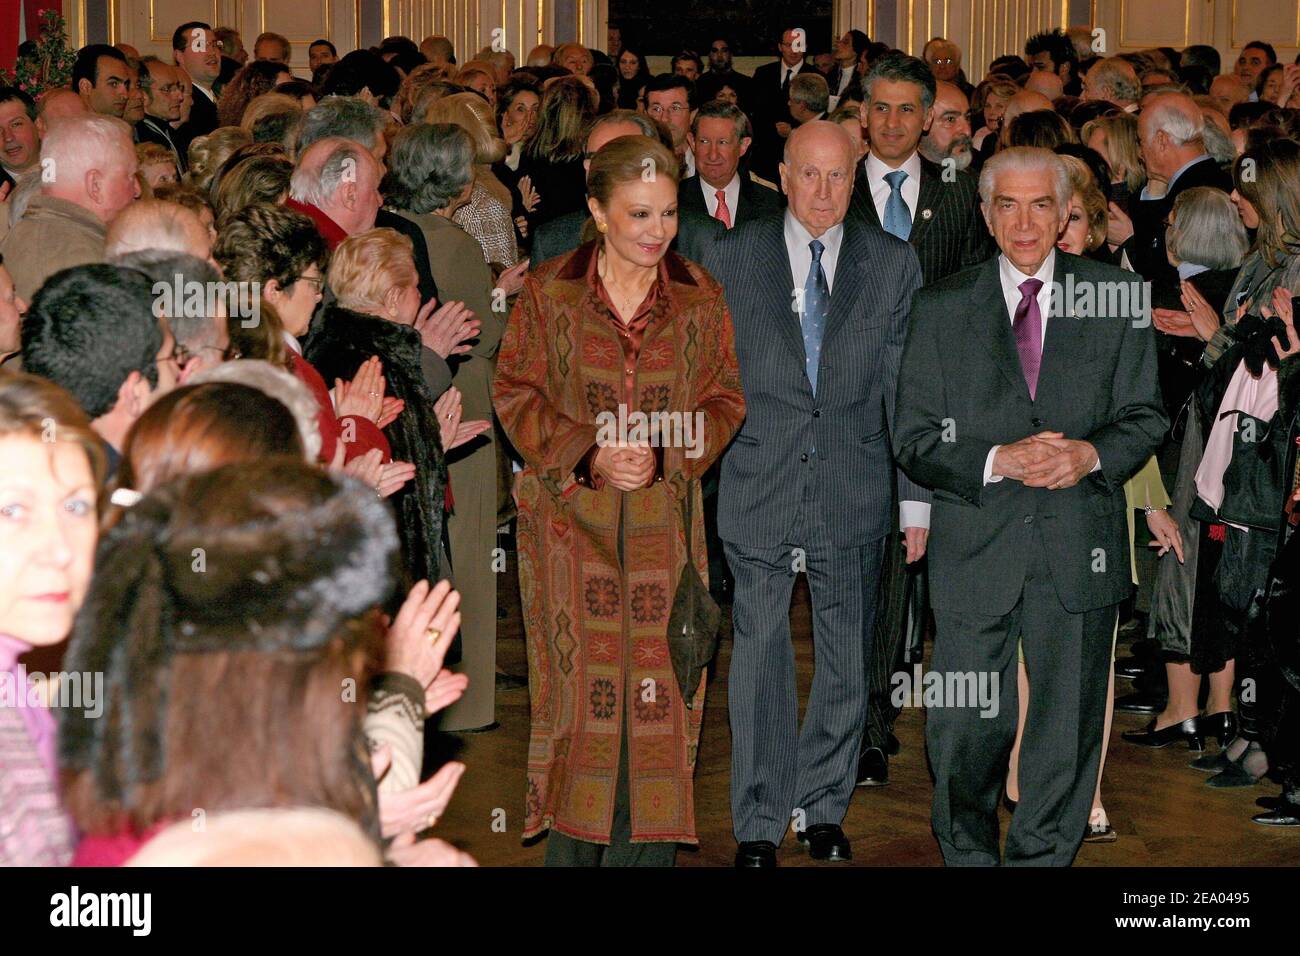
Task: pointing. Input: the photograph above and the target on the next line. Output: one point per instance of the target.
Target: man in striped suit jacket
(819, 305)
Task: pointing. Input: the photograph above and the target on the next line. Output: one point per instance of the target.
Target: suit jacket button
(1029, 519)
(817, 413)
(1037, 423)
(803, 457)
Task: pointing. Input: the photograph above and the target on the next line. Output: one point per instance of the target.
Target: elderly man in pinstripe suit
(819, 305)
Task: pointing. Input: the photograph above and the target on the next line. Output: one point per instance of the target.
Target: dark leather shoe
(1288, 815)
(1269, 803)
(1222, 726)
(826, 841)
(1128, 668)
(1187, 731)
(1234, 775)
(1211, 763)
(1139, 704)
(756, 853)
(873, 768)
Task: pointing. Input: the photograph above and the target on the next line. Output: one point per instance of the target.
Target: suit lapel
(992, 325)
(776, 285)
(862, 202)
(1063, 341)
(927, 202)
(850, 272)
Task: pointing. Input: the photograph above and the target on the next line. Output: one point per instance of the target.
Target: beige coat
(53, 234)
(456, 261)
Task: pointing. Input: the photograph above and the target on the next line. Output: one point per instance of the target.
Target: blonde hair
(149, 154)
(365, 267)
(472, 113)
(625, 160)
(265, 105)
(1084, 185)
(1122, 147)
(208, 153)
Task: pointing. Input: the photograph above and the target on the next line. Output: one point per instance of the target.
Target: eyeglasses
(677, 109)
(317, 281)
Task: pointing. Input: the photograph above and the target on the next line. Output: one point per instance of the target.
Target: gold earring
(602, 228)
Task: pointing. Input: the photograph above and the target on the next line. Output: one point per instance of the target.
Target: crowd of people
(290, 366)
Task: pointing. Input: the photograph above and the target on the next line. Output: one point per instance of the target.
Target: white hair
(1182, 121)
(279, 385)
(317, 187)
(74, 145)
(1025, 159)
(157, 225)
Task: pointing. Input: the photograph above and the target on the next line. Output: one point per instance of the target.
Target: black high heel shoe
(1221, 726)
(1187, 731)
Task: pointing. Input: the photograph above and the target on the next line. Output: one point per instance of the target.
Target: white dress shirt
(731, 192)
(1011, 277)
(787, 71)
(205, 91)
(912, 514)
(911, 188)
(689, 162)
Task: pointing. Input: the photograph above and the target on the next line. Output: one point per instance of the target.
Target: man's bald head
(58, 104)
(1047, 83)
(157, 225)
(1228, 90)
(817, 174)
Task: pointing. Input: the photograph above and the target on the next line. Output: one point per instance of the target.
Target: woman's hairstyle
(472, 113)
(1083, 183)
(301, 836)
(36, 408)
(423, 77)
(231, 612)
(364, 267)
(1000, 88)
(207, 153)
(1206, 229)
(268, 104)
(625, 160)
(149, 154)
(251, 81)
(1123, 147)
(284, 387)
(429, 166)
(257, 244)
(1043, 128)
(238, 156)
(568, 108)
(298, 90)
(184, 195)
(200, 427)
(255, 179)
(519, 83)
(1272, 191)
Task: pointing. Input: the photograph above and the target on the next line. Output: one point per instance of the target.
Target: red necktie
(723, 213)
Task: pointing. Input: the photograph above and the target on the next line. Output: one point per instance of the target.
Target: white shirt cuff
(914, 514)
(989, 477)
(1096, 467)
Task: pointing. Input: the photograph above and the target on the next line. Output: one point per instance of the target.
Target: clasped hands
(626, 467)
(1046, 460)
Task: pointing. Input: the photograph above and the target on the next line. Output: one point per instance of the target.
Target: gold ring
(433, 634)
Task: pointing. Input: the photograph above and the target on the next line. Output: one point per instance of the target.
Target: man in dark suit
(164, 89)
(819, 304)
(1171, 128)
(770, 102)
(195, 50)
(936, 210)
(720, 138)
(1026, 398)
(563, 234)
(848, 54)
(720, 74)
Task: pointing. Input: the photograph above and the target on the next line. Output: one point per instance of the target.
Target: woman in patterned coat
(620, 325)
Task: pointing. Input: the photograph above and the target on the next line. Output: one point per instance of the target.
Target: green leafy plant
(49, 66)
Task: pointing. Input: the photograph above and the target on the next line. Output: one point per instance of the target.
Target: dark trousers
(889, 639)
(563, 850)
(778, 769)
(1068, 658)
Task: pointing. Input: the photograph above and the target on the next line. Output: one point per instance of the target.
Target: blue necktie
(898, 221)
(816, 306)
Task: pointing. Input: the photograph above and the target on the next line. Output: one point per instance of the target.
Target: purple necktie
(1028, 326)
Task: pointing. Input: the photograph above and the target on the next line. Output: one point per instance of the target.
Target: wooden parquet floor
(1164, 813)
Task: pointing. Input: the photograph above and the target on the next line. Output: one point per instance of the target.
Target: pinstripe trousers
(779, 769)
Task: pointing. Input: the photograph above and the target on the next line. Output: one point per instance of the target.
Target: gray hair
(810, 89)
(74, 145)
(1118, 78)
(721, 109)
(901, 68)
(279, 385)
(192, 332)
(1206, 229)
(642, 122)
(1181, 121)
(1025, 159)
(1218, 144)
(344, 117)
(153, 224)
(341, 165)
(431, 164)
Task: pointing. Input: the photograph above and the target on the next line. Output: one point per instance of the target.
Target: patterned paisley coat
(596, 625)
